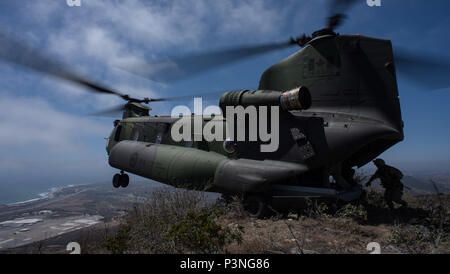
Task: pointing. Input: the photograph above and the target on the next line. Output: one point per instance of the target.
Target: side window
(117, 135)
(159, 138)
(136, 133)
(161, 129)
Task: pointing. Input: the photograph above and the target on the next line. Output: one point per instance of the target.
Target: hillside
(66, 210)
(423, 185)
(187, 222)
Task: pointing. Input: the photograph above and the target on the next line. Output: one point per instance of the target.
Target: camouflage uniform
(390, 180)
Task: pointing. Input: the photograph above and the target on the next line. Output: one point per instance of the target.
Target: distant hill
(423, 185)
(417, 184)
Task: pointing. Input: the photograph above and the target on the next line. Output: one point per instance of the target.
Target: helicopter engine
(296, 99)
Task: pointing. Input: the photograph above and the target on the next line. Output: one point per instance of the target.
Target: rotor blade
(18, 53)
(337, 12)
(182, 67)
(431, 72)
(209, 95)
(113, 111)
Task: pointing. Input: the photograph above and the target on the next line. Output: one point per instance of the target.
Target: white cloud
(40, 141)
(94, 44)
(32, 122)
(44, 146)
(100, 36)
(256, 18)
(40, 11)
(113, 30)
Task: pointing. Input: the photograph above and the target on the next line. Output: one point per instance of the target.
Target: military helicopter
(339, 109)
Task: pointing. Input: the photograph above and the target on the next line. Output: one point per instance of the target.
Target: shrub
(315, 209)
(406, 235)
(357, 213)
(375, 199)
(234, 209)
(117, 244)
(172, 221)
(199, 232)
(414, 239)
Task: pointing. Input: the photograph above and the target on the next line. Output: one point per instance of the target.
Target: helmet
(379, 162)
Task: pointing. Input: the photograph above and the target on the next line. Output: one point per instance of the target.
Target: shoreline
(42, 195)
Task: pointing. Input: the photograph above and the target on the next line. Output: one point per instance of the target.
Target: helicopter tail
(352, 81)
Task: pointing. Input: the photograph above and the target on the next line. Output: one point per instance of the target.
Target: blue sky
(47, 139)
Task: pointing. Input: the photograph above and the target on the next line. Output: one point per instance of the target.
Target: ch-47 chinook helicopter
(339, 109)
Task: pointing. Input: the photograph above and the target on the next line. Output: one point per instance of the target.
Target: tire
(116, 181)
(226, 199)
(255, 206)
(124, 180)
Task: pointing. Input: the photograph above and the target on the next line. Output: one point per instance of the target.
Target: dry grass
(350, 228)
(424, 227)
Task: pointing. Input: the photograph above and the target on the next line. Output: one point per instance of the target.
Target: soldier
(390, 180)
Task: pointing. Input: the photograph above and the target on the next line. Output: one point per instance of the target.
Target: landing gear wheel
(255, 206)
(226, 199)
(124, 180)
(116, 180)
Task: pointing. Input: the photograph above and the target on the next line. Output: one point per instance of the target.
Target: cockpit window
(117, 135)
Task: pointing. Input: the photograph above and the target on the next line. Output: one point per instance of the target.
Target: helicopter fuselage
(354, 116)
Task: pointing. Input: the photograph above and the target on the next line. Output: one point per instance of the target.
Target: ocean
(12, 195)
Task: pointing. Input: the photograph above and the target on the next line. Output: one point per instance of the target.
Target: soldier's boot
(403, 203)
(390, 205)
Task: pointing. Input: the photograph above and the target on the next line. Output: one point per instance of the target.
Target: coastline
(42, 195)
